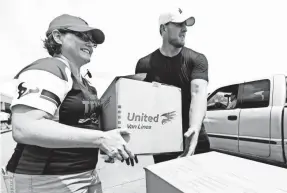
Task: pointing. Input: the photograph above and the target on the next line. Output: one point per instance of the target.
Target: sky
(241, 39)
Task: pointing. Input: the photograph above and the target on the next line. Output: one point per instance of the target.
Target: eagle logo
(168, 117)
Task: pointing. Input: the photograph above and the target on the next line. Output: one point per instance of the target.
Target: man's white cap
(176, 15)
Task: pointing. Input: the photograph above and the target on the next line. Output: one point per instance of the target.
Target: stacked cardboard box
(215, 172)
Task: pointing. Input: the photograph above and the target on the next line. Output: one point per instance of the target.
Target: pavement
(116, 178)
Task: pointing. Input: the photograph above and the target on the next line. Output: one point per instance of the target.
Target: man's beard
(176, 43)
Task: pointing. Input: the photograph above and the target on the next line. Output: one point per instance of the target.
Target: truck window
(224, 98)
(255, 94)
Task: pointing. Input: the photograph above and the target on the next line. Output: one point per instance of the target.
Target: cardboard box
(151, 111)
(215, 172)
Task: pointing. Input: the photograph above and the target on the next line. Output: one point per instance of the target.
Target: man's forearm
(51, 134)
(198, 107)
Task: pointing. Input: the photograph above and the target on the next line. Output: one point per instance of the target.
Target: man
(233, 101)
(176, 65)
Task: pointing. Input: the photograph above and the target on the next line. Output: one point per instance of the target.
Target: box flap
(139, 77)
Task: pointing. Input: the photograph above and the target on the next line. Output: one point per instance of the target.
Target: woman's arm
(35, 127)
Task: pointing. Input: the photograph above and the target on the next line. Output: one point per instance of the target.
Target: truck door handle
(232, 117)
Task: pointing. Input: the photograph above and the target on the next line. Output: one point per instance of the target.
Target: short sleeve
(200, 68)
(139, 67)
(40, 89)
(143, 65)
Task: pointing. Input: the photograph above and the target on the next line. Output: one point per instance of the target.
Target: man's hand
(191, 139)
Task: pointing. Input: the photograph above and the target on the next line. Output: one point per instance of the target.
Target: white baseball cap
(176, 15)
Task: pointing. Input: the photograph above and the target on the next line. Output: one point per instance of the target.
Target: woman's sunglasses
(82, 35)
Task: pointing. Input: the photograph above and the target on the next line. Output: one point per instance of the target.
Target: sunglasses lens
(87, 38)
(82, 35)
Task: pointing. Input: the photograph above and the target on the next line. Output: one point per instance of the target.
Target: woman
(55, 114)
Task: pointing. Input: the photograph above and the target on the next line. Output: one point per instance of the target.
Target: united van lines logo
(23, 90)
(168, 117)
(179, 10)
(146, 120)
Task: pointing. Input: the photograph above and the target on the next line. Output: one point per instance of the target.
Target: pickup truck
(248, 119)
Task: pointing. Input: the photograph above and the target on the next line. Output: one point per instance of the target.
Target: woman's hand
(114, 144)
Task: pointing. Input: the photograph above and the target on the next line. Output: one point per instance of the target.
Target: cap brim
(98, 35)
(189, 21)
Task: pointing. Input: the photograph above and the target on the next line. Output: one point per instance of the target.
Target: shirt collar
(64, 60)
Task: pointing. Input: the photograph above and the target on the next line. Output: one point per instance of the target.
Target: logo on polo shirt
(23, 89)
(179, 10)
